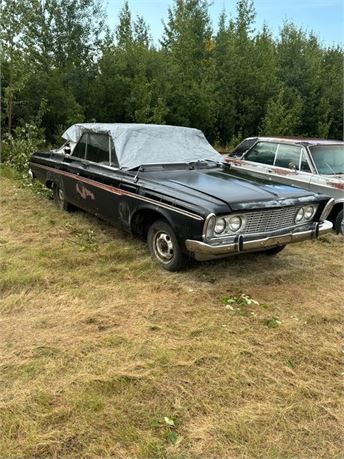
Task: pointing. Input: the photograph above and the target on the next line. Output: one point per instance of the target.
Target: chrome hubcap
(163, 246)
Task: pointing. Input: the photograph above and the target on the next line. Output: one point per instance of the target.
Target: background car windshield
(329, 159)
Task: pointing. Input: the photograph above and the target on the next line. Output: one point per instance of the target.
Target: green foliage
(25, 181)
(242, 304)
(85, 239)
(283, 114)
(187, 48)
(19, 146)
(231, 83)
(272, 322)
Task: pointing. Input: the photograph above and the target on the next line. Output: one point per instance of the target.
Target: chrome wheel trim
(60, 194)
(163, 247)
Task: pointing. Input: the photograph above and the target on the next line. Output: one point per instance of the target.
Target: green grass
(98, 345)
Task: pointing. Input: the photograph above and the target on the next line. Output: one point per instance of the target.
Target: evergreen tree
(124, 31)
(14, 61)
(283, 114)
(189, 76)
(59, 59)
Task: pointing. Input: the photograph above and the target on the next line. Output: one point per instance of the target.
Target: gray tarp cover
(139, 144)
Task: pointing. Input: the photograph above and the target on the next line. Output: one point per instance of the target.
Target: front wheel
(164, 246)
(339, 223)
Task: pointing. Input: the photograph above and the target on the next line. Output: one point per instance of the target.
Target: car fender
(181, 224)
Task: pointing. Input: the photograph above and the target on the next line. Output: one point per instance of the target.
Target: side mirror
(67, 150)
(292, 166)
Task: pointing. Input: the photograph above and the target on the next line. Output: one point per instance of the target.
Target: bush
(19, 146)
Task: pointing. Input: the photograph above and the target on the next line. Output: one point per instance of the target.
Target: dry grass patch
(103, 354)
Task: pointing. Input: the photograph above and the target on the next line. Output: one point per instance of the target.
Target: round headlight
(309, 211)
(220, 225)
(234, 223)
(300, 214)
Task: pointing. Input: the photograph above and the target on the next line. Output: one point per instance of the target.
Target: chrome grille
(270, 220)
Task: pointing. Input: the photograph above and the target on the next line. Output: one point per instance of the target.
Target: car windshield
(329, 159)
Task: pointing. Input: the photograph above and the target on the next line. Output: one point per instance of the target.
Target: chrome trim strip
(205, 226)
(207, 251)
(220, 238)
(327, 209)
(119, 191)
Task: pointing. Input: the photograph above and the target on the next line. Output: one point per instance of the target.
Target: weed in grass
(171, 436)
(169, 422)
(290, 363)
(85, 239)
(241, 304)
(272, 322)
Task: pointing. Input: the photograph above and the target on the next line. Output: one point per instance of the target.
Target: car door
(74, 166)
(102, 189)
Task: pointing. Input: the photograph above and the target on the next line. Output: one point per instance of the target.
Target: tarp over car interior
(142, 144)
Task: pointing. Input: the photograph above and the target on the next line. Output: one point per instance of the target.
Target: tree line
(61, 64)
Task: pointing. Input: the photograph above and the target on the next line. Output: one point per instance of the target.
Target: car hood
(230, 188)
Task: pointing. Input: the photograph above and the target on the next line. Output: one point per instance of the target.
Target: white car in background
(316, 165)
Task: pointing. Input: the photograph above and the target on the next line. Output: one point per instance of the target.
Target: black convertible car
(168, 184)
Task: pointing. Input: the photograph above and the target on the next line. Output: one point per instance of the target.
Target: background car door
(260, 158)
(280, 162)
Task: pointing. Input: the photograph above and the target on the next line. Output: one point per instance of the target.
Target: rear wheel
(59, 198)
(164, 246)
(273, 250)
(339, 223)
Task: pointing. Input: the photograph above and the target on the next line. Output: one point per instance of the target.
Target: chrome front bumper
(207, 251)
